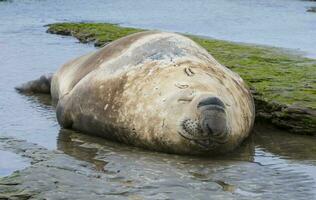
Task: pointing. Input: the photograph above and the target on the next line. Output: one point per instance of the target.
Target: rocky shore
(282, 82)
(54, 175)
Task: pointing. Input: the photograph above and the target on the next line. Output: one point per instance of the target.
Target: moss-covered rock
(100, 34)
(283, 83)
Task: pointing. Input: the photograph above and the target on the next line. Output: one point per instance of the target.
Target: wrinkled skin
(155, 90)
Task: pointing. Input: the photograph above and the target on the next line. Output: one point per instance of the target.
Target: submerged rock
(54, 175)
(311, 9)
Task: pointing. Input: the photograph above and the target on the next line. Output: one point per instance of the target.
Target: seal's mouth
(192, 131)
(210, 130)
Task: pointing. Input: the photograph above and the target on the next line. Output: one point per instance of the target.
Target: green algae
(99, 33)
(278, 78)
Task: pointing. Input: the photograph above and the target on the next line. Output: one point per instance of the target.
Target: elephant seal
(155, 90)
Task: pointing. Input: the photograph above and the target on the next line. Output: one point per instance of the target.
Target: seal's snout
(210, 127)
(211, 101)
(213, 119)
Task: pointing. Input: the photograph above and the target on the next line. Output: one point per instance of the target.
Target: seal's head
(211, 108)
(192, 108)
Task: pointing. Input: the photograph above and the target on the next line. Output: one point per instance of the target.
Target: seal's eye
(185, 99)
(186, 96)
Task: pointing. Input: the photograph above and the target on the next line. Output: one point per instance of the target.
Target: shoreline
(282, 83)
(52, 174)
(85, 167)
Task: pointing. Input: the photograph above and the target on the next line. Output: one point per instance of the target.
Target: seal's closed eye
(186, 96)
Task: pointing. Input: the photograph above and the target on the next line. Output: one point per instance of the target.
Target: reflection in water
(73, 147)
(285, 145)
(40, 101)
(242, 173)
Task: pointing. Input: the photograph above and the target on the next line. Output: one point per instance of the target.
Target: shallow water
(10, 162)
(281, 23)
(271, 164)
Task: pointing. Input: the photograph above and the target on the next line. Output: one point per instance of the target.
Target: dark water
(271, 164)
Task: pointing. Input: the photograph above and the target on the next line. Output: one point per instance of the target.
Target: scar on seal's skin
(181, 86)
(189, 71)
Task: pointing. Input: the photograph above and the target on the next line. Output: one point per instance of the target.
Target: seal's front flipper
(40, 85)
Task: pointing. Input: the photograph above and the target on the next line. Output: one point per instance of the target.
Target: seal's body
(155, 90)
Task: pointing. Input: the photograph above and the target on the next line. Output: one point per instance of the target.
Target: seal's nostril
(211, 101)
(210, 131)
